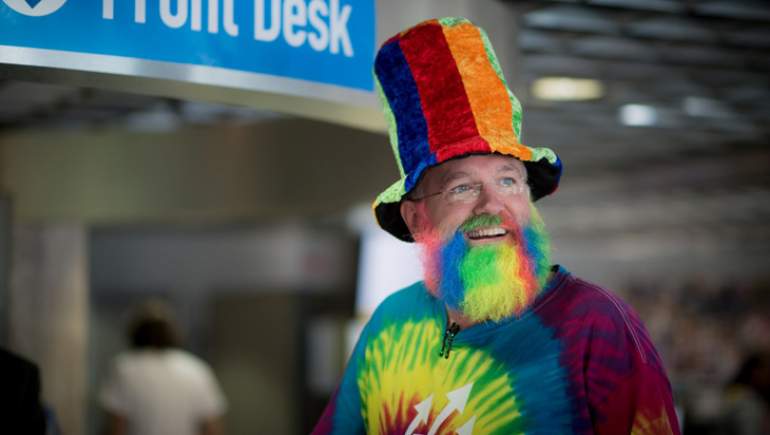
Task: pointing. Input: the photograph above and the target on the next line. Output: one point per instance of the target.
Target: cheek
(432, 221)
(521, 211)
(446, 220)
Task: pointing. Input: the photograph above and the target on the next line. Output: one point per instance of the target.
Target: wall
(192, 260)
(497, 19)
(199, 174)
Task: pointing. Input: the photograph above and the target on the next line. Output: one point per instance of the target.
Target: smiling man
(485, 248)
(495, 339)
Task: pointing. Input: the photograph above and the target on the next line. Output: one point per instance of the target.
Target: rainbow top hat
(444, 97)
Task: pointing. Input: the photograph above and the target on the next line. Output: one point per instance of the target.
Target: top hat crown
(445, 97)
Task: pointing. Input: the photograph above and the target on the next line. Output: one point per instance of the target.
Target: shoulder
(143, 360)
(413, 300)
(409, 304)
(187, 361)
(124, 360)
(18, 373)
(583, 299)
(592, 311)
(15, 363)
(415, 293)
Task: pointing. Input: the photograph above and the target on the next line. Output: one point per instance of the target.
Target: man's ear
(411, 216)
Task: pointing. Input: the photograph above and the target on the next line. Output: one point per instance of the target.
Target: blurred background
(248, 212)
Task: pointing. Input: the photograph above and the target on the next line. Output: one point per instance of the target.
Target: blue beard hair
(451, 284)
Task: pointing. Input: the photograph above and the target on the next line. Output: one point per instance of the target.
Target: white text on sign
(322, 24)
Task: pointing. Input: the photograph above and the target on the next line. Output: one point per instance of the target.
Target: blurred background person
(156, 388)
(747, 397)
(20, 399)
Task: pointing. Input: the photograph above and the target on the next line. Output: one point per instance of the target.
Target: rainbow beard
(489, 282)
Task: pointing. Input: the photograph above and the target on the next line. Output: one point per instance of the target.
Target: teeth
(486, 232)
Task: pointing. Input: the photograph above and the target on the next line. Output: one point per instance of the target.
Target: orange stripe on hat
(486, 92)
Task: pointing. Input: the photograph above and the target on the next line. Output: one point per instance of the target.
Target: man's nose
(489, 201)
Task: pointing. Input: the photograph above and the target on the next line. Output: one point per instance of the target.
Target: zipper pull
(449, 337)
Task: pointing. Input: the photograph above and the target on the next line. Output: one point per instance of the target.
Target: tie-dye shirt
(578, 361)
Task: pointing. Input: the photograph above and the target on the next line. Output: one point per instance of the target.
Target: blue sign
(322, 41)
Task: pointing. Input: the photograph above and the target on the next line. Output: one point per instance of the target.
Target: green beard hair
(491, 282)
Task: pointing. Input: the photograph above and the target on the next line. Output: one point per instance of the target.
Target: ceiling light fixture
(567, 89)
(638, 115)
(706, 107)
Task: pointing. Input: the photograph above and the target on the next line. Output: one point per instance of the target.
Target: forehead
(488, 164)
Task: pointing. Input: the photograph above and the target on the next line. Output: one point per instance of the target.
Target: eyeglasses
(468, 192)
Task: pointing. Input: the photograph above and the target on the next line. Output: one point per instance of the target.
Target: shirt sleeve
(343, 414)
(213, 402)
(627, 387)
(113, 395)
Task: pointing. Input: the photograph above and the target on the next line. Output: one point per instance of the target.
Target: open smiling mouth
(486, 233)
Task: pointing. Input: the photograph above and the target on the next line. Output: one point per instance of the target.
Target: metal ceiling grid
(698, 64)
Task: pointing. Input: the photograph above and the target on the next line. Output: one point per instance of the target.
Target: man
(157, 388)
(495, 340)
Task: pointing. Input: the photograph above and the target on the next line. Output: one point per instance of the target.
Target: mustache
(431, 235)
(486, 220)
(480, 221)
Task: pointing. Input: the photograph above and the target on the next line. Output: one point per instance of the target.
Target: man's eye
(462, 188)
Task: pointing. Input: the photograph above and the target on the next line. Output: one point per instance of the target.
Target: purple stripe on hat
(401, 91)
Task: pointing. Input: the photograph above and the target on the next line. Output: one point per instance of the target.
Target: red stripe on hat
(442, 93)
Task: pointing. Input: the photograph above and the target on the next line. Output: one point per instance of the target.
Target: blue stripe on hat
(403, 97)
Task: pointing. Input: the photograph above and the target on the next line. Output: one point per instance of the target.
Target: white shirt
(166, 392)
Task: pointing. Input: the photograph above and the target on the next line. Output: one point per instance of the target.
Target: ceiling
(702, 68)
(62, 107)
(701, 170)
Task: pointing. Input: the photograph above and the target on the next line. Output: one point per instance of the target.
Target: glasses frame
(477, 188)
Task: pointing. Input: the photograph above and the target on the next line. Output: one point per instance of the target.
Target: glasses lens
(469, 192)
(510, 189)
(463, 193)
